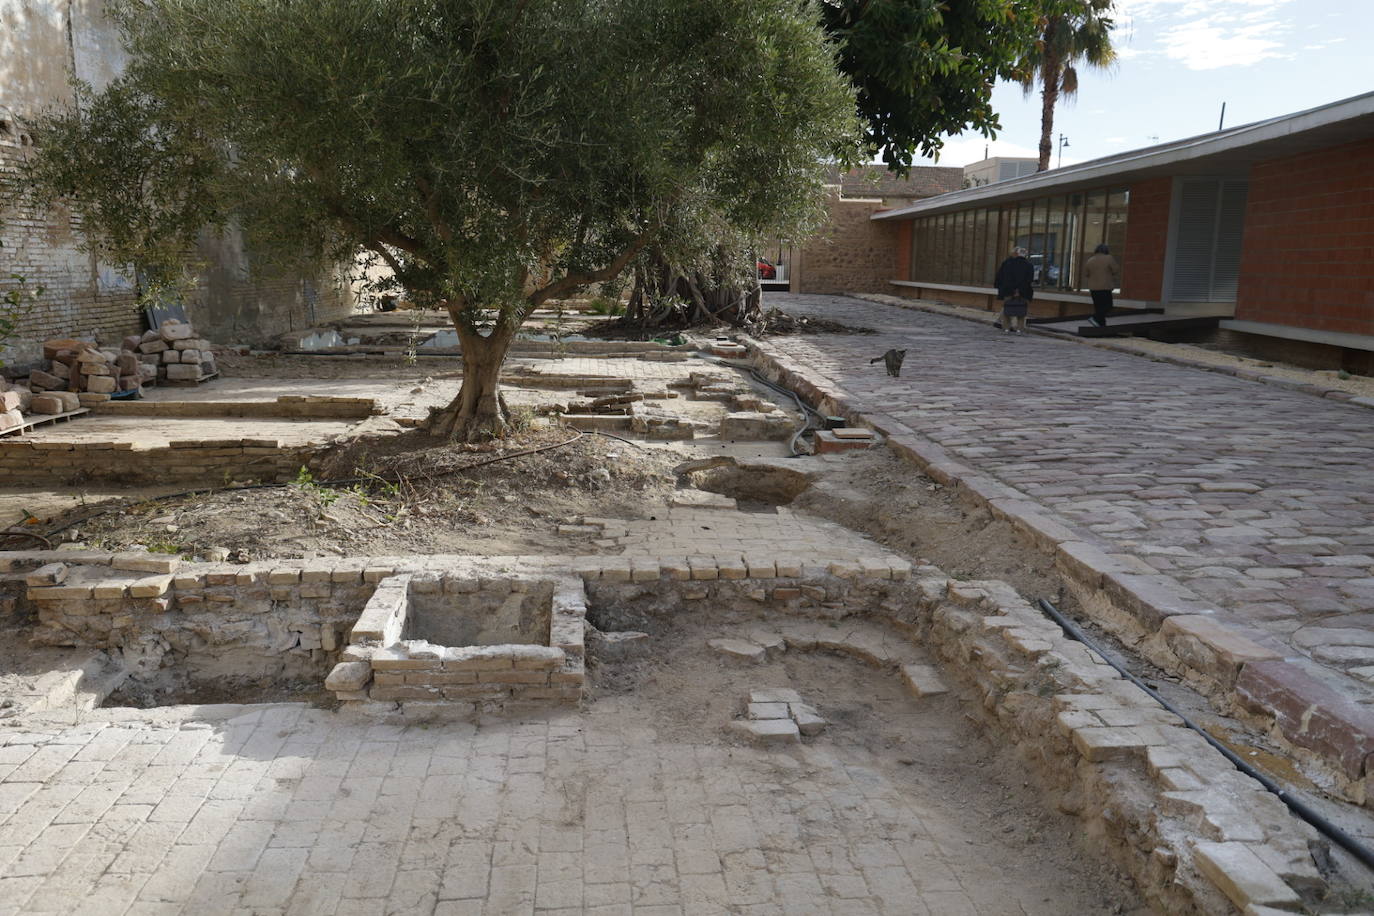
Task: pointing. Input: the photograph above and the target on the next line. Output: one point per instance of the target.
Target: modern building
(998, 168)
(1268, 226)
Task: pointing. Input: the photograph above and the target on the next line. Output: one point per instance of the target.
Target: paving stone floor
(282, 809)
(1258, 498)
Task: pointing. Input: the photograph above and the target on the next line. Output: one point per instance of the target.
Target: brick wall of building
(850, 254)
(1147, 238)
(1309, 236)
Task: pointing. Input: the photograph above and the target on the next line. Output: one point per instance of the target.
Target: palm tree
(1075, 32)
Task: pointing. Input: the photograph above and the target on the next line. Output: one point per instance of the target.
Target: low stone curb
(1170, 624)
(1333, 394)
(1203, 831)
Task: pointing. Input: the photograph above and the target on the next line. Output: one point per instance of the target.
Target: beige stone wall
(852, 254)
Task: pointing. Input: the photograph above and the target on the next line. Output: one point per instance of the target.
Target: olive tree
(493, 154)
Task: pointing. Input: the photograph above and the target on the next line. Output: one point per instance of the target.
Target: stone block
(1243, 877)
(767, 731)
(172, 330)
(349, 676)
(152, 346)
(183, 372)
(923, 680)
(49, 574)
(150, 587)
(768, 711)
(1308, 713)
(11, 419)
(808, 722)
(46, 381)
(1211, 647)
(45, 404)
(737, 648)
(1097, 744)
(9, 400)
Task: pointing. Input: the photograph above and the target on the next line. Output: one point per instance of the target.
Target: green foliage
(493, 154)
(1072, 32)
(924, 68)
(16, 303)
(143, 184)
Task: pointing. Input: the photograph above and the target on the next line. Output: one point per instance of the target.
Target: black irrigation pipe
(1299, 807)
(803, 408)
(341, 481)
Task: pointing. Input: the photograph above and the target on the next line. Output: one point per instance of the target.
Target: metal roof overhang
(1226, 152)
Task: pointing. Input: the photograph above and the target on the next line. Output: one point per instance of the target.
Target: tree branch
(574, 280)
(428, 196)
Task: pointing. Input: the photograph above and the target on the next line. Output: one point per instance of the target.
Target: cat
(893, 360)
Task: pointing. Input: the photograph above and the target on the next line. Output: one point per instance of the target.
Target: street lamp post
(1063, 142)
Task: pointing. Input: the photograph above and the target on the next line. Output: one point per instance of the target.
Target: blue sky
(1180, 59)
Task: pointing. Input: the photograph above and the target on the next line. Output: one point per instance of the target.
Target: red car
(766, 271)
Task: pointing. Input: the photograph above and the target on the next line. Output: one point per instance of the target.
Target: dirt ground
(443, 502)
(929, 748)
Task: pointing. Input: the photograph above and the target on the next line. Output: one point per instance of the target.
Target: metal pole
(1222, 120)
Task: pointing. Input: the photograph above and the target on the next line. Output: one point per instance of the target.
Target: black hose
(802, 407)
(1299, 807)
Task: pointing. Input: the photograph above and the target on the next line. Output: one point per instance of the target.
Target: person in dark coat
(1015, 283)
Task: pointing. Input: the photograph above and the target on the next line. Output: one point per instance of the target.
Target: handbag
(1015, 306)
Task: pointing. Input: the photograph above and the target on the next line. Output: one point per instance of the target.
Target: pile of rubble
(172, 353)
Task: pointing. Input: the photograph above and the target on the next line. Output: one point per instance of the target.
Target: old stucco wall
(41, 43)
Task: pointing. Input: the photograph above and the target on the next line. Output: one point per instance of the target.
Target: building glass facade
(963, 248)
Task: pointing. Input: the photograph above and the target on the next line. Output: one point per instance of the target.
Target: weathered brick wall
(851, 254)
(1147, 236)
(82, 298)
(40, 42)
(1308, 236)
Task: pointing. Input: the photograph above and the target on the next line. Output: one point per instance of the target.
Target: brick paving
(1257, 498)
(283, 809)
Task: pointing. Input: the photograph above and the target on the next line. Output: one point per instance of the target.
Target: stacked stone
(13, 403)
(180, 355)
(80, 374)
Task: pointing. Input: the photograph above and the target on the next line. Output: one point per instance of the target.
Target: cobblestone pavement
(1257, 498)
(282, 809)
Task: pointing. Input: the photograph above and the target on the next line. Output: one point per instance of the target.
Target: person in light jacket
(1101, 275)
(1015, 281)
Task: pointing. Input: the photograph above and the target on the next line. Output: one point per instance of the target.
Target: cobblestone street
(1257, 498)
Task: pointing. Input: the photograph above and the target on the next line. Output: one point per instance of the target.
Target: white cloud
(1205, 34)
(1206, 44)
(1114, 141)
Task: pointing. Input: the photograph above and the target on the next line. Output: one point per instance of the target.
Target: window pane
(1117, 203)
(1073, 241)
(964, 248)
(1037, 242)
(1021, 229)
(1094, 224)
(1051, 269)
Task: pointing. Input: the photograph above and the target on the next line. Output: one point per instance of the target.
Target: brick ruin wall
(85, 298)
(81, 298)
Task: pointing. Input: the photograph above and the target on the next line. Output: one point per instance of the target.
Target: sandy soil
(931, 749)
(445, 504)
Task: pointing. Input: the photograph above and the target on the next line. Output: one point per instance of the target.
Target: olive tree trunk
(479, 410)
(662, 295)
